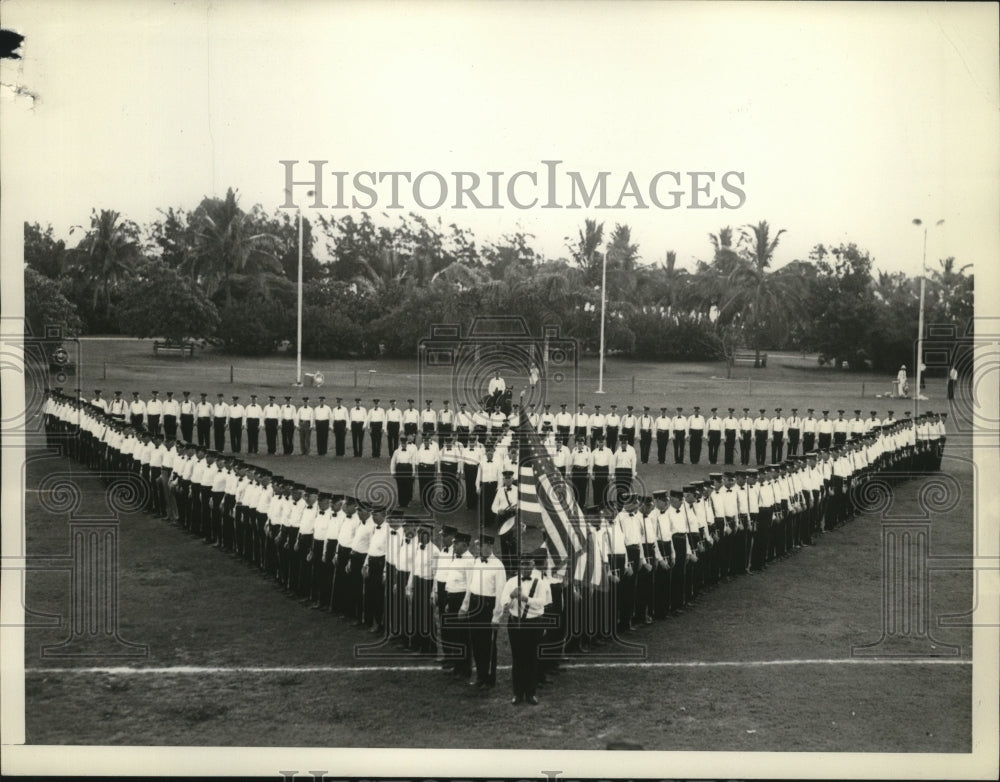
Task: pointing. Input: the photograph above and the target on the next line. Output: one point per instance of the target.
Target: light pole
(604, 291)
(920, 321)
(298, 319)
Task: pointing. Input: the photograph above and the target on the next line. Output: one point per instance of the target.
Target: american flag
(545, 498)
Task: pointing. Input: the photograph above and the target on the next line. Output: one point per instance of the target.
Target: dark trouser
(760, 441)
(375, 434)
(204, 431)
(303, 568)
(455, 634)
(714, 439)
(601, 477)
(305, 436)
(580, 479)
(136, 419)
(729, 448)
(253, 435)
(808, 442)
(525, 635)
(645, 441)
(322, 436)
(839, 438)
(645, 583)
(462, 435)
(661, 446)
(745, 448)
(419, 618)
(287, 437)
(562, 435)
(219, 425)
(356, 590)
(596, 432)
(159, 498)
(235, 435)
(187, 427)
(153, 424)
(695, 448)
(777, 447)
(339, 436)
(443, 431)
(679, 446)
(661, 582)
(271, 435)
(825, 439)
(323, 575)
(215, 532)
(483, 638)
(629, 433)
(342, 582)
(470, 470)
(761, 538)
(404, 484)
(793, 442)
(375, 592)
(319, 571)
(554, 637)
(450, 497)
(358, 438)
(487, 493)
(951, 388)
(427, 482)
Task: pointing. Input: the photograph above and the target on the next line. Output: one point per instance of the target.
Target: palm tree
(107, 254)
(585, 251)
(227, 246)
(952, 289)
(764, 297)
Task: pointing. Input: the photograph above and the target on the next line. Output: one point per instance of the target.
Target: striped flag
(545, 497)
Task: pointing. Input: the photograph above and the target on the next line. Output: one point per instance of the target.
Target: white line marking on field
(198, 670)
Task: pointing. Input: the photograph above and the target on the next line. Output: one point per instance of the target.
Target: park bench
(173, 347)
(747, 357)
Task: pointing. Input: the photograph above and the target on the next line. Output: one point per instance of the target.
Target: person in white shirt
(137, 411)
(340, 418)
(484, 592)
(154, 414)
(523, 601)
(777, 436)
(289, 423)
(952, 380)
(624, 461)
(220, 418)
(98, 402)
(497, 385)
(237, 416)
(563, 424)
(358, 416)
(306, 417)
(401, 467)
(696, 429)
(505, 503)
(793, 428)
(454, 630)
(418, 559)
(678, 428)
(253, 417)
(322, 418)
(426, 467)
(117, 408)
(596, 424)
(487, 479)
(375, 424)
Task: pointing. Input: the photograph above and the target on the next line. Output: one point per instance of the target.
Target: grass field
(760, 664)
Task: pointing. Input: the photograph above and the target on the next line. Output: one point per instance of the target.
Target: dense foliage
(224, 273)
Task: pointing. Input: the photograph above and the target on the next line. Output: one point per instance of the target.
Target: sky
(846, 121)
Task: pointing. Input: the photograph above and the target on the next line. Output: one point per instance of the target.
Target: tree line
(228, 275)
